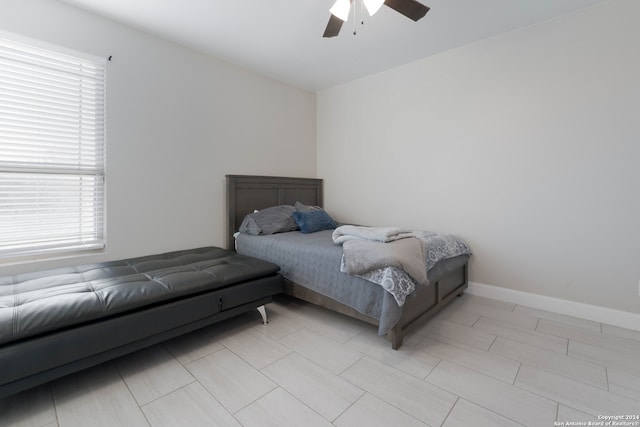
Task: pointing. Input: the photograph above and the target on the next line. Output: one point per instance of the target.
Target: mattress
(36, 303)
(313, 261)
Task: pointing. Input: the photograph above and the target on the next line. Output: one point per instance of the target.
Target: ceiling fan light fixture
(373, 6)
(412, 9)
(341, 8)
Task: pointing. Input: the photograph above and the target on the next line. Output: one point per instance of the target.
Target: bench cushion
(35, 303)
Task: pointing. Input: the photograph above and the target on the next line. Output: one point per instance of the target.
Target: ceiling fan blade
(409, 8)
(333, 27)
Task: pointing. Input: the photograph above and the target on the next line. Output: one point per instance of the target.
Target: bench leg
(263, 313)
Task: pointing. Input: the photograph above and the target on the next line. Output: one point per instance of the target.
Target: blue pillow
(312, 221)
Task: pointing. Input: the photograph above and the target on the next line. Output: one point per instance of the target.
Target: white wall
(526, 145)
(177, 122)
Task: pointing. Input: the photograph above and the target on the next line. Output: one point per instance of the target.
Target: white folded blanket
(376, 234)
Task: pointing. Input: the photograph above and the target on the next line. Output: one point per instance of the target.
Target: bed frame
(247, 192)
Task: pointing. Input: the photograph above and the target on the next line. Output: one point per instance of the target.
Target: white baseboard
(623, 319)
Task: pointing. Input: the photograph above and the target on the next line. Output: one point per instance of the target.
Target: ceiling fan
(340, 12)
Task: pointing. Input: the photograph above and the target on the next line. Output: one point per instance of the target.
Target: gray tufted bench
(60, 321)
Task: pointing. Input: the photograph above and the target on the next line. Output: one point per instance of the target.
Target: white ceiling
(283, 38)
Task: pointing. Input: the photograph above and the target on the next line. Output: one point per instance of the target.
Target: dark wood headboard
(246, 193)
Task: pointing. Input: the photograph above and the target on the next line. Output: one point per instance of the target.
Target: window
(52, 113)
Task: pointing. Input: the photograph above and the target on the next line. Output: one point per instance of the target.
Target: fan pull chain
(355, 31)
(354, 19)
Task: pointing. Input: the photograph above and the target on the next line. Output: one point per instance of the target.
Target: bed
(317, 278)
(60, 321)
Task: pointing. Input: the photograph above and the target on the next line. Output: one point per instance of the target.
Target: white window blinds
(52, 110)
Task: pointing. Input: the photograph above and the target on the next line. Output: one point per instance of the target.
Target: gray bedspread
(313, 261)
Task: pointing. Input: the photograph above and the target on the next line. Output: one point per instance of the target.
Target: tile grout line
(527, 331)
(516, 375)
(535, 393)
(197, 358)
(356, 361)
(324, 369)
(233, 414)
(474, 403)
(171, 392)
(53, 401)
(133, 396)
(224, 347)
(379, 397)
(450, 410)
(213, 397)
(571, 379)
(349, 407)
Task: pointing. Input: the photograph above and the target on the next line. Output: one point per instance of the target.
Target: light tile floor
(479, 362)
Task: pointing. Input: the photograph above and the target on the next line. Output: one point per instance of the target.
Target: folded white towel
(375, 234)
